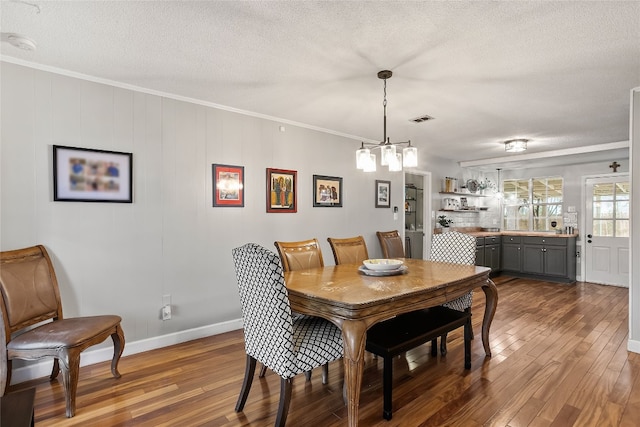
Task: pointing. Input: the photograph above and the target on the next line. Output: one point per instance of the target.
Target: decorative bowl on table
(383, 264)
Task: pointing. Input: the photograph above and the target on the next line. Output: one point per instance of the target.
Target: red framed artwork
(282, 191)
(228, 186)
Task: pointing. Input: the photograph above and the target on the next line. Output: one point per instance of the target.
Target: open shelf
(464, 194)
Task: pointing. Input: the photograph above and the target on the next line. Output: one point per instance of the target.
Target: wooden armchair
(352, 250)
(29, 295)
(391, 244)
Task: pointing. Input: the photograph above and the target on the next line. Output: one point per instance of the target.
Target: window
(611, 209)
(532, 204)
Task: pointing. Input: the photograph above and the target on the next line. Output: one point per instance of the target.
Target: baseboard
(90, 357)
(633, 346)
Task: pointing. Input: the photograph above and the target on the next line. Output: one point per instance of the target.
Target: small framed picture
(327, 191)
(383, 194)
(463, 203)
(88, 175)
(282, 191)
(228, 186)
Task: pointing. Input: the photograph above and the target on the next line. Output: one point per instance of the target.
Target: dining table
(355, 299)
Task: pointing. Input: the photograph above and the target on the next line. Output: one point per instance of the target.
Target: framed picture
(86, 175)
(228, 186)
(383, 194)
(282, 191)
(327, 191)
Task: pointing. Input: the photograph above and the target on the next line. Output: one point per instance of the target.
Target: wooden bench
(16, 409)
(407, 331)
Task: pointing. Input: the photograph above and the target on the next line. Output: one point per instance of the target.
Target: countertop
(476, 232)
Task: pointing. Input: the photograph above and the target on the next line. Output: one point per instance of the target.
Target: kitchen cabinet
(548, 257)
(480, 251)
(488, 252)
(512, 253)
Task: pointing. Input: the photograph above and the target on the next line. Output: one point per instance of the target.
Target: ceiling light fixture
(389, 156)
(515, 145)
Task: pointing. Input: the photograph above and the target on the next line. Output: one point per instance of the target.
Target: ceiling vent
(421, 119)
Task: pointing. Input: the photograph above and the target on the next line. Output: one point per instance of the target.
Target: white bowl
(382, 264)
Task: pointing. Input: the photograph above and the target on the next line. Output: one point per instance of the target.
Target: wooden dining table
(354, 302)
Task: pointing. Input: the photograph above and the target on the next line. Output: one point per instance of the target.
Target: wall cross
(615, 165)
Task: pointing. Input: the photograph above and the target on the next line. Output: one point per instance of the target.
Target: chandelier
(389, 155)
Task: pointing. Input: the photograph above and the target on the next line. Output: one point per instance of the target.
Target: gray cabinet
(480, 251)
(511, 254)
(488, 252)
(553, 257)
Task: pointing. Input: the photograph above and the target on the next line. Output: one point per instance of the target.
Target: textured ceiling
(558, 73)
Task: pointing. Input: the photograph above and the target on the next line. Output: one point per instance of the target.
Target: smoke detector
(19, 41)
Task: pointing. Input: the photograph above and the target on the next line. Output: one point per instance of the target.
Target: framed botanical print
(282, 191)
(327, 191)
(383, 194)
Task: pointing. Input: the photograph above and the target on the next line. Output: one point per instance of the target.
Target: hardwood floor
(559, 359)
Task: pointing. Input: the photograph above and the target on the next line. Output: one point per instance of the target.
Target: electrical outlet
(166, 312)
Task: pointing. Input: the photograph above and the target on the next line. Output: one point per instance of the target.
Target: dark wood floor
(559, 359)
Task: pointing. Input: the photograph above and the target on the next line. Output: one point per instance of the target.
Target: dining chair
(352, 250)
(285, 344)
(456, 248)
(391, 244)
(29, 296)
(298, 256)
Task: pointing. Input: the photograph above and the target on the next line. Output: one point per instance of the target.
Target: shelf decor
(88, 175)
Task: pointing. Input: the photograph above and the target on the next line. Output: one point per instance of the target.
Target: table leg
(491, 293)
(354, 335)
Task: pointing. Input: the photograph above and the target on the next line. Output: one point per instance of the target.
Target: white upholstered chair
(285, 344)
(456, 248)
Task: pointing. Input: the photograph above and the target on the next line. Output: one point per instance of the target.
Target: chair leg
(434, 347)
(307, 375)
(387, 388)
(468, 336)
(118, 348)
(285, 400)
(249, 370)
(263, 371)
(468, 310)
(325, 373)
(70, 367)
(443, 345)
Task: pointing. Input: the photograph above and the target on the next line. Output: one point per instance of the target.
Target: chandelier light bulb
(362, 157)
(370, 165)
(410, 157)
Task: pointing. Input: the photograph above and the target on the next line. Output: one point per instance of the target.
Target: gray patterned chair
(288, 346)
(456, 248)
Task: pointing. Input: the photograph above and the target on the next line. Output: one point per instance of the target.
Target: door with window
(607, 230)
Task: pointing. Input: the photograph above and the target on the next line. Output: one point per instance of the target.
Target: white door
(607, 230)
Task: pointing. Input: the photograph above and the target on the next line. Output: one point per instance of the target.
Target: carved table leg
(354, 335)
(491, 293)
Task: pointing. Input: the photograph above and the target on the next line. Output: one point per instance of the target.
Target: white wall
(634, 287)
(122, 258)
